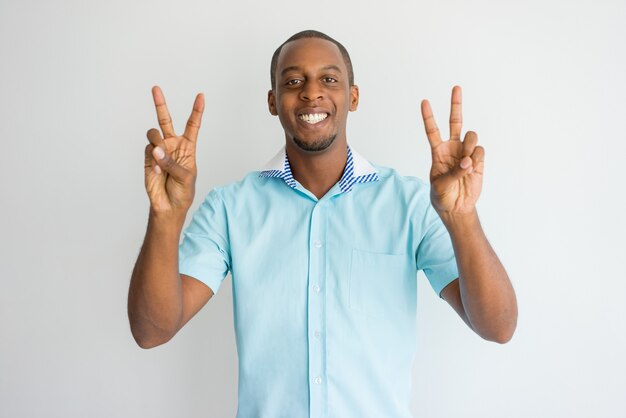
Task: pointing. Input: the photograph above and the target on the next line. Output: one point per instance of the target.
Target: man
(323, 247)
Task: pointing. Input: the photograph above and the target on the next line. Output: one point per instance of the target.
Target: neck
(318, 171)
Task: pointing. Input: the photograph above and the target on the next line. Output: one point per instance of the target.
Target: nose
(311, 91)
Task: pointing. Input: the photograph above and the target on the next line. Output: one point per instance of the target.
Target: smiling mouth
(313, 118)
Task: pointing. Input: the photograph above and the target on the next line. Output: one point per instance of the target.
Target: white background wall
(544, 87)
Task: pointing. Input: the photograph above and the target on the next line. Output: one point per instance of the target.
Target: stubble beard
(319, 145)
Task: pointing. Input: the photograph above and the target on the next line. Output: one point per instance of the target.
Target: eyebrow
(296, 68)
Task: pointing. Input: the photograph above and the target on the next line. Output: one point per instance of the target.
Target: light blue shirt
(324, 290)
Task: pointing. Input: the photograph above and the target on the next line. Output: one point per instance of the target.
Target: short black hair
(311, 34)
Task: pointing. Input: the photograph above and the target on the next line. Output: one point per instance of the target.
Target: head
(308, 34)
(312, 90)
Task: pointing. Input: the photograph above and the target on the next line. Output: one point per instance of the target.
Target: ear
(354, 98)
(271, 103)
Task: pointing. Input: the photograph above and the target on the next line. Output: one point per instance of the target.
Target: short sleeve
(435, 254)
(204, 252)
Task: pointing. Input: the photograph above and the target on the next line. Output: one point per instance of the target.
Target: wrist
(460, 223)
(167, 219)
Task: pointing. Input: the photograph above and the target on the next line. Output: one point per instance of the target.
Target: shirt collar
(357, 170)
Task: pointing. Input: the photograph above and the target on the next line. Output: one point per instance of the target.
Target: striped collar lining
(357, 170)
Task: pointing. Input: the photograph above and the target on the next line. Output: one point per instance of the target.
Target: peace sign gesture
(456, 175)
(170, 160)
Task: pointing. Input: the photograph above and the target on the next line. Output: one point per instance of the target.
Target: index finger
(193, 124)
(432, 131)
(456, 116)
(163, 115)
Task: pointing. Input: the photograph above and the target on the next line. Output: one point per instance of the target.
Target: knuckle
(193, 124)
(165, 120)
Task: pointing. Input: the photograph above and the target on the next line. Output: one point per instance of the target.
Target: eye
(293, 82)
(330, 79)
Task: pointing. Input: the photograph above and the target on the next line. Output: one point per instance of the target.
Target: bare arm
(483, 294)
(160, 300)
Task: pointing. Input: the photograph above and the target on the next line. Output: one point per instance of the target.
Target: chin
(316, 145)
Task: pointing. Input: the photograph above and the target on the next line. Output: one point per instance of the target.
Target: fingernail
(159, 153)
(157, 169)
(465, 163)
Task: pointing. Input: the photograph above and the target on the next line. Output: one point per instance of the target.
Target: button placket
(316, 309)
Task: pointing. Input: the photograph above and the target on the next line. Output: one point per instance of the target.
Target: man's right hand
(170, 160)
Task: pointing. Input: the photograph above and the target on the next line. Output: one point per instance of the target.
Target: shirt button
(316, 289)
(317, 334)
(318, 380)
(318, 244)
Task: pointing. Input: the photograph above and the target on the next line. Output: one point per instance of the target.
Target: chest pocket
(377, 283)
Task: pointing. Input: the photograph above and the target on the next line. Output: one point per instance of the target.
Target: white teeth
(313, 117)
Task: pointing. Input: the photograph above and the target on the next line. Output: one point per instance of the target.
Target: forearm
(155, 296)
(486, 291)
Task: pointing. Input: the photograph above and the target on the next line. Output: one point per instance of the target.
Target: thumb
(464, 167)
(168, 165)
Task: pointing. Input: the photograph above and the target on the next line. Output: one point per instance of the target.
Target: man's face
(312, 96)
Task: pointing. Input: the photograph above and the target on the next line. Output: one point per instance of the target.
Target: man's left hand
(456, 175)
